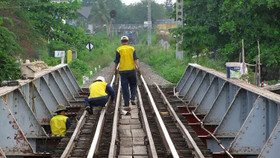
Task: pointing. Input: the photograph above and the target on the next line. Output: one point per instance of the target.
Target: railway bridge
(204, 115)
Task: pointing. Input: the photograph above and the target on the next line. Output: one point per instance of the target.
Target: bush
(10, 70)
(79, 69)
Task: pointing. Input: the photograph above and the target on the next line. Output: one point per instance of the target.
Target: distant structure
(163, 26)
(180, 21)
(83, 14)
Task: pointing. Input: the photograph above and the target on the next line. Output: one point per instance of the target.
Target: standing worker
(127, 59)
(60, 123)
(99, 94)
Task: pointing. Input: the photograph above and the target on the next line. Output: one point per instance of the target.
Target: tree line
(220, 25)
(35, 28)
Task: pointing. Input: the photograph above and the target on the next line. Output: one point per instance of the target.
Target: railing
(240, 112)
(31, 104)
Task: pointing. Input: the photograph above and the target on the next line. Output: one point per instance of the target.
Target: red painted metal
(204, 138)
(191, 118)
(191, 108)
(183, 109)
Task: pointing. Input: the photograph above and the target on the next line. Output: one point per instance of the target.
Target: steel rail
(162, 125)
(202, 126)
(75, 134)
(190, 140)
(147, 127)
(99, 128)
(112, 150)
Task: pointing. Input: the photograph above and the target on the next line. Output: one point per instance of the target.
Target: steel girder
(246, 116)
(2, 154)
(25, 108)
(63, 86)
(12, 140)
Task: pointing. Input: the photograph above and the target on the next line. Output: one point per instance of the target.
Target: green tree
(48, 17)
(201, 26)
(8, 39)
(168, 6)
(253, 21)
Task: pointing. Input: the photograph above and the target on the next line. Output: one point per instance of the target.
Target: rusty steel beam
(2, 154)
(12, 140)
(31, 104)
(241, 112)
(63, 86)
(57, 91)
(47, 94)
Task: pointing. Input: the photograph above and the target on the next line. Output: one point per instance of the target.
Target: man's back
(126, 54)
(97, 89)
(58, 125)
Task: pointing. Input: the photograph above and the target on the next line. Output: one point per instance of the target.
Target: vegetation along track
(162, 131)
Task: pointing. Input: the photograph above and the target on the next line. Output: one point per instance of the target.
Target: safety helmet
(100, 78)
(60, 107)
(124, 38)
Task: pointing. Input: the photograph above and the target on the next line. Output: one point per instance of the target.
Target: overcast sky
(127, 2)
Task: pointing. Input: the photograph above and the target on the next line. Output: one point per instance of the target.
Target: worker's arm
(137, 64)
(117, 59)
(136, 60)
(68, 123)
(110, 91)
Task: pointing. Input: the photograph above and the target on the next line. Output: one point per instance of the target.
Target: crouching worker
(60, 123)
(100, 91)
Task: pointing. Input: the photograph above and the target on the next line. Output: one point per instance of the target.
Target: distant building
(82, 20)
(164, 25)
(85, 12)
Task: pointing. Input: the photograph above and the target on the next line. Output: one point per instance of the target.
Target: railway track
(152, 128)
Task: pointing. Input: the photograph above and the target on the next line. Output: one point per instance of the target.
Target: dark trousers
(101, 101)
(128, 80)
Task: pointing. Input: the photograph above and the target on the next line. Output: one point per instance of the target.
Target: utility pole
(258, 67)
(179, 20)
(149, 24)
(243, 58)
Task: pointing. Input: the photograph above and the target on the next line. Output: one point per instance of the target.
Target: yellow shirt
(126, 58)
(97, 89)
(58, 125)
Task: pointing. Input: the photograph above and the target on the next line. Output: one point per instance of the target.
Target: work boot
(126, 108)
(89, 110)
(133, 102)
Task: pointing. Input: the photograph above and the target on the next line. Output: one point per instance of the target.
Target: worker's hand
(138, 71)
(116, 72)
(113, 103)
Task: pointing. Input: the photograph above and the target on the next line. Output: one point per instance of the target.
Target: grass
(165, 63)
